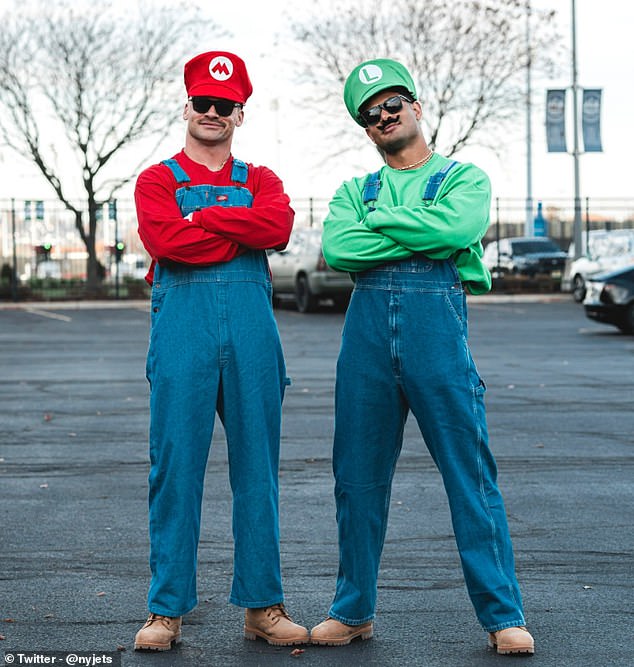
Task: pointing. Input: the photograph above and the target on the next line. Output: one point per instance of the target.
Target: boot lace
(276, 612)
(158, 617)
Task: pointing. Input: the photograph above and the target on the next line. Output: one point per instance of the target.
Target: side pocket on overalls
(478, 384)
(156, 307)
(456, 301)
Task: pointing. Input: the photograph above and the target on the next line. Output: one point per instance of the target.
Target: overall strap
(179, 173)
(239, 171)
(373, 184)
(371, 188)
(435, 180)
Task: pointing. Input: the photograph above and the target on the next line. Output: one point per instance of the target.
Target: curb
(145, 304)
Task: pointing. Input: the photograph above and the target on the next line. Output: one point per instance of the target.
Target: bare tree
(467, 57)
(80, 85)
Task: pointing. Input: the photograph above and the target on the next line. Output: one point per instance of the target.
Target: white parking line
(52, 316)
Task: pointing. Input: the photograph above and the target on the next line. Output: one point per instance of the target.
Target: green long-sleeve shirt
(451, 226)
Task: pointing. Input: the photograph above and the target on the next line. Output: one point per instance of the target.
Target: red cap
(218, 74)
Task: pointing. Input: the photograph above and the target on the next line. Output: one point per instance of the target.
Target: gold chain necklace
(420, 163)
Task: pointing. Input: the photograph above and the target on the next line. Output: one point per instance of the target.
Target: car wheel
(578, 288)
(305, 299)
(627, 325)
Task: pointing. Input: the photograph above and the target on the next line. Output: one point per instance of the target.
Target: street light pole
(116, 257)
(577, 231)
(528, 226)
(14, 268)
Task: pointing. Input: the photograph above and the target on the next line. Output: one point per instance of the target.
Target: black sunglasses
(222, 107)
(392, 105)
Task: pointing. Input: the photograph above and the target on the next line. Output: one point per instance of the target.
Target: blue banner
(556, 120)
(591, 120)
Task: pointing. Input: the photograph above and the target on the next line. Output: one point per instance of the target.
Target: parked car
(525, 255)
(610, 299)
(604, 251)
(301, 271)
(49, 269)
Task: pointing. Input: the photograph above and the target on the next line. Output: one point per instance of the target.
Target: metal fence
(508, 216)
(26, 226)
(34, 233)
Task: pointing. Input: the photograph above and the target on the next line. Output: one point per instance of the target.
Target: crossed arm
(356, 239)
(214, 234)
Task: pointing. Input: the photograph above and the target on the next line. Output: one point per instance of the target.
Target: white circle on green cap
(369, 74)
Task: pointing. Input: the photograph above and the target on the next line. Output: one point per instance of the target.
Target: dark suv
(525, 255)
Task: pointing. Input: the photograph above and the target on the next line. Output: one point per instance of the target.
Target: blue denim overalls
(214, 346)
(404, 347)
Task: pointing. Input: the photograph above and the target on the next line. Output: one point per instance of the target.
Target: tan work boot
(274, 625)
(158, 633)
(512, 640)
(334, 633)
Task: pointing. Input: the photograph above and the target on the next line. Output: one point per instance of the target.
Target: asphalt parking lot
(73, 513)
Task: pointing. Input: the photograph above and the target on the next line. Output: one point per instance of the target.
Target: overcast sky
(605, 59)
(280, 139)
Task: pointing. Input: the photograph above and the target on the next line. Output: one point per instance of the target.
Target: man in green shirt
(411, 235)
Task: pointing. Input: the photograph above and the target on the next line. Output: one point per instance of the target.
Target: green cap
(372, 77)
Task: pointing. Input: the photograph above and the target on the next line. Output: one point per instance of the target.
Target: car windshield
(534, 246)
(613, 245)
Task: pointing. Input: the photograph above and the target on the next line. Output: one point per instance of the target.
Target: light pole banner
(556, 120)
(591, 120)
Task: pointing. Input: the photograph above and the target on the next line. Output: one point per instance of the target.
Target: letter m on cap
(221, 69)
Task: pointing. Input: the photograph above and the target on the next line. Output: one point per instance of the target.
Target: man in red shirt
(206, 219)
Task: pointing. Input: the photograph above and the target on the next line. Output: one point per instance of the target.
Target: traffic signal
(112, 209)
(43, 251)
(119, 247)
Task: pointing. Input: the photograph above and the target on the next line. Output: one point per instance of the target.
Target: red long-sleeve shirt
(214, 234)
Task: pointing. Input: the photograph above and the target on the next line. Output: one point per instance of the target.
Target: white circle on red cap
(221, 68)
(369, 74)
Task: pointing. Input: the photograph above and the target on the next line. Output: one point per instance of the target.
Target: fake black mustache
(388, 121)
